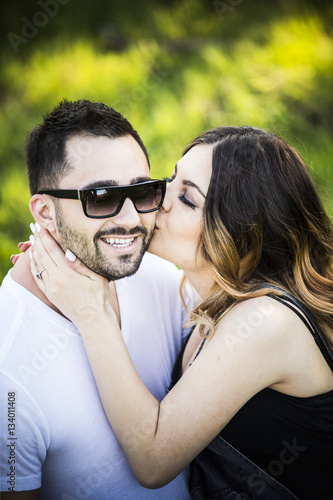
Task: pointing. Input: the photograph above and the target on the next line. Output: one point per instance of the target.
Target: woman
(253, 406)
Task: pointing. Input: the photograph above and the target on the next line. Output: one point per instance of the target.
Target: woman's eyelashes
(182, 196)
(187, 202)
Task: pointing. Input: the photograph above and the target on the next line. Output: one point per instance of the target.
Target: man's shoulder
(15, 296)
(9, 293)
(11, 287)
(21, 311)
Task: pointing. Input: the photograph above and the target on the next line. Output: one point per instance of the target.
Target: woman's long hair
(263, 223)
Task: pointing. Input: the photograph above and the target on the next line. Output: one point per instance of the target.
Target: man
(56, 441)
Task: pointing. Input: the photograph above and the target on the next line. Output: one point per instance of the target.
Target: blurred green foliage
(173, 69)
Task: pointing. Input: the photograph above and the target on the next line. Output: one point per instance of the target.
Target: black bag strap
(289, 301)
(273, 490)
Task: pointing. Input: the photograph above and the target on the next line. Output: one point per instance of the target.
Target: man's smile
(119, 242)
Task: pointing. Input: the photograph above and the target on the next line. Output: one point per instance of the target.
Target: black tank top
(290, 438)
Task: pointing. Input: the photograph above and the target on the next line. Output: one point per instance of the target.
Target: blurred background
(173, 68)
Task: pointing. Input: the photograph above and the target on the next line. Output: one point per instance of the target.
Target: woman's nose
(167, 199)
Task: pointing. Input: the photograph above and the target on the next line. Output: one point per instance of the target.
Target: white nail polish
(70, 256)
(32, 239)
(32, 227)
(38, 227)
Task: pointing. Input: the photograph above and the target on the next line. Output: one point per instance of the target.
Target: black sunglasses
(107, 201)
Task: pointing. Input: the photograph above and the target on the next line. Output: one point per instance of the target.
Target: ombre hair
(263, 224)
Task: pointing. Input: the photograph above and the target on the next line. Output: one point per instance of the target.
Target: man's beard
(91, 255)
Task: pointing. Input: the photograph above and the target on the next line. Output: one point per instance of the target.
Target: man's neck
(21, 273)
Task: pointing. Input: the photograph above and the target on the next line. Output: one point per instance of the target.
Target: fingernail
(70, 256)
(32, 227)
(20, 244)
(38, 227)
(11, 258)
(32, 239)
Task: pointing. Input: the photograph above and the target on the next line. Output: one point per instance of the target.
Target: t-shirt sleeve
(24, 439)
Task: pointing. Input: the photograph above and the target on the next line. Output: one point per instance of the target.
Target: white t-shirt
(54, 433)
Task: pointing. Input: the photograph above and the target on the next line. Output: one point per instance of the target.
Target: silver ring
(39, 275)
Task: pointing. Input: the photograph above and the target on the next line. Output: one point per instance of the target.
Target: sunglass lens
(147, 197)
(106, 202)
(103, 202)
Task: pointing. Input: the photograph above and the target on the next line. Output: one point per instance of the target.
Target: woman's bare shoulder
(264, 325)
(257, 318)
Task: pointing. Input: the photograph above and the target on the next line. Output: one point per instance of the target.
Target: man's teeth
(119, 242)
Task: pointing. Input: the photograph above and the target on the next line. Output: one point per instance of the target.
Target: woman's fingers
(79, 267)
(15, 257)
(23, 247)
(51, 254)
(41, 256)
(58, 268)
(37, 270)
(73, 288)
(47, 248)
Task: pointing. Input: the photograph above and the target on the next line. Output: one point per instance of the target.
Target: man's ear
(43, 211)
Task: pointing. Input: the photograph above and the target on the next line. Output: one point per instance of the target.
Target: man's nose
(128, 215)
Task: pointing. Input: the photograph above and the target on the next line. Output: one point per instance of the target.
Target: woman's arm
(160, 439)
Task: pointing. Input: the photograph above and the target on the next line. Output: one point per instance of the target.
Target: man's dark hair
(46, 144)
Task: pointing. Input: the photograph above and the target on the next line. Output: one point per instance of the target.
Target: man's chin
(125, 274)
(112, 266)
(126, 266)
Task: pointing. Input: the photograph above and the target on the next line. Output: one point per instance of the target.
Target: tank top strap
(290, 301)
(177, 368)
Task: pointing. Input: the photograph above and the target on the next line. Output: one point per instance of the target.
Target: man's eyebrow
(112, 182)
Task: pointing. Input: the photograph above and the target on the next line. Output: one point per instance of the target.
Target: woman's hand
(79, 293)
(23, 247)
